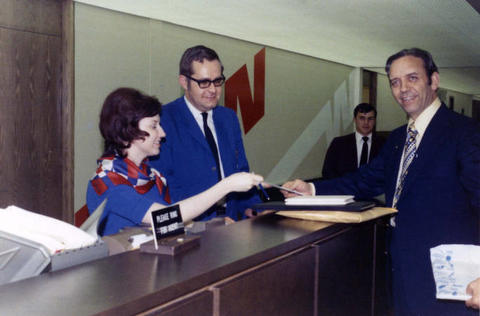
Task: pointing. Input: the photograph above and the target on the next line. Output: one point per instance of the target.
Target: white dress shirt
(421, 124)
(197, 115)
(359, 140)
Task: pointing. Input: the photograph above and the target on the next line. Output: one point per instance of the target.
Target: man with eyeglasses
(203, 141)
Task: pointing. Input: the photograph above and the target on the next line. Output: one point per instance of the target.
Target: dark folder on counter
(356, 206)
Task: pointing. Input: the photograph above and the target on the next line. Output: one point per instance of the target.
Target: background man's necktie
(409, 153)
(211, 143)
(364, 155)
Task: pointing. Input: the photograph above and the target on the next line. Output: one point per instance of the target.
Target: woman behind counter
(130, 126)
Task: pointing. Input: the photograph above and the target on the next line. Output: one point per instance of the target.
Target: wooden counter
(270, 265)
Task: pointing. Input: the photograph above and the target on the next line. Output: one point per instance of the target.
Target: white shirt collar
(423, 120)
(197, 115)
(195, 112)
(359, 137)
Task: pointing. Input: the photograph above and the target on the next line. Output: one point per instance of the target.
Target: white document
(137, 240)
(454, 267)
(320, 200)
(52, 233)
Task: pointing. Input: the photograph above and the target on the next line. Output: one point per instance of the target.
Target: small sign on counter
(169, 233)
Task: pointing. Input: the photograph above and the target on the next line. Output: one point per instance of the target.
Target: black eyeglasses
(205, 83)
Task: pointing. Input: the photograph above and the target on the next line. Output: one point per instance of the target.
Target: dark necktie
(364, 155)
(211, 143)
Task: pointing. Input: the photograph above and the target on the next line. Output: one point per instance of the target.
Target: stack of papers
(53, 234)
(454, 267)
(320, 200)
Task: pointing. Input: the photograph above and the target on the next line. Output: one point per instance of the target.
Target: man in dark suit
(346, 153)
(429, 170)
(203, 141)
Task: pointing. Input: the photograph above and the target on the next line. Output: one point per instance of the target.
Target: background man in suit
(203, 141)
(346, 153)
(429, 170)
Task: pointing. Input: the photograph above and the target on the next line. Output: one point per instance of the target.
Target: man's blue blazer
(187, 162)
(440, 204)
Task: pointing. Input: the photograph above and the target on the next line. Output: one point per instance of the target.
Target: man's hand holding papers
(299, 186)
(473, 289)
(454, 267)
(281, 188)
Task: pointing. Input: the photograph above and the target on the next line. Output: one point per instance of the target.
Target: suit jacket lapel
(354, 157)
(186, 120)
(431, 141)
(220, 130)
(393, 166)
(375, 147)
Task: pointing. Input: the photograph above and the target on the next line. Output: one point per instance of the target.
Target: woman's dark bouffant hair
(121, 112)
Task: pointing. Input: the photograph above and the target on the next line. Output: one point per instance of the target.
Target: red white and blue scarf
(113, 170)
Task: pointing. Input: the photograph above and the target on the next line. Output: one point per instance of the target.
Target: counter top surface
(134, 281)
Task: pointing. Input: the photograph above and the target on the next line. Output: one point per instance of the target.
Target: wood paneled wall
(36, 107)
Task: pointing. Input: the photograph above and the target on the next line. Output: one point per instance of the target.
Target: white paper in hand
(454, 267)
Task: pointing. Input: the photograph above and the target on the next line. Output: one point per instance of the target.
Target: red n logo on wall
(238, 86)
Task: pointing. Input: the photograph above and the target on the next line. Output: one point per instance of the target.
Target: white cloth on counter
(52, 233)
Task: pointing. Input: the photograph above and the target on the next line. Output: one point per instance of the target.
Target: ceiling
(360, 33)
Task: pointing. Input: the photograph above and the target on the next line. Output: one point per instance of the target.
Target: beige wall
(308, 101)
(461, 102)
(390, 114)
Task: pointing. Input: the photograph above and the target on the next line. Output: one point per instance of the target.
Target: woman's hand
(242, 181)
(197, 204)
